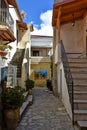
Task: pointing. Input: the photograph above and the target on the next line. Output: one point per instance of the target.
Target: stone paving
(46, 113)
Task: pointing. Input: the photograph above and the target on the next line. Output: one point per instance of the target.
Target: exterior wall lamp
(73, 21)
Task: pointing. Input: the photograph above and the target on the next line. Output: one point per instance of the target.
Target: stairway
(78, 67)
(17, 60)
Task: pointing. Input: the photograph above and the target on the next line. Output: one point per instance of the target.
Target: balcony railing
(6, 19)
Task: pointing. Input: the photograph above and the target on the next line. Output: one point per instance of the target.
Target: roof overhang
(6, 34)
(68, 10)
(14, 3)
(22, 24)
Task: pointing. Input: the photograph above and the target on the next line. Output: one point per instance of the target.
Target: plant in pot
(12, 99)
(29, 85)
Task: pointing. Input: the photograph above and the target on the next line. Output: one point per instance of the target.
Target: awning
(22, 24)
(66, 11)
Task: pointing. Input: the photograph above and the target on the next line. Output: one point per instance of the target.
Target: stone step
(78, 81)
(82, 125)
(79, 75)
(77, 60)
(80, 95)
(74, 55)
(80, 104)
(80, 87)
(78, 69)
(80, 115)
(82, 64)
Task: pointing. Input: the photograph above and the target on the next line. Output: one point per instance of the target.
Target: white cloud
(45, 26)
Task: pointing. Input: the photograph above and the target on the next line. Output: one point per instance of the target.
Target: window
(35, 53)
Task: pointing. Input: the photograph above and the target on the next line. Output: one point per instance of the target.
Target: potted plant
(12, 99)
(29, 85)
(3, 48)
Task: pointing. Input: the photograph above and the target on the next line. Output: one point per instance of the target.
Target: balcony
(6, 26)
(40, 59)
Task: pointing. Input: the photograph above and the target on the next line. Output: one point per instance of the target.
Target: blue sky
(38, 12)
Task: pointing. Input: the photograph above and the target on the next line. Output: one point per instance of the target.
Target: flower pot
(11, 118)
(3, 53)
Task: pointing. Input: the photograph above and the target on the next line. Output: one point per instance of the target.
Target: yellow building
(41, 52)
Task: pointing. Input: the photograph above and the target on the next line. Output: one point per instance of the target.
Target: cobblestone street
(46, 113)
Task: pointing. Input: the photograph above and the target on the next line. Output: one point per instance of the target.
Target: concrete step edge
(80, 111)
(78, 92)
(80, 101)
(82, 124)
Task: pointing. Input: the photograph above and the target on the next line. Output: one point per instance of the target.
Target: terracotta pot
(3, 53)
(11, 118)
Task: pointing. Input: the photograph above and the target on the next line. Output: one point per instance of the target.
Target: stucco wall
(84, 34)
(55, 60)
(24, 42)
(63, 89)
(72, 37)
(24, 37)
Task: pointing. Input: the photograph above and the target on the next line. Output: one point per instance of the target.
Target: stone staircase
(78, 67)
(17, 60)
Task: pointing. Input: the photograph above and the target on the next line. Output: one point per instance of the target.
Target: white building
(41, 51)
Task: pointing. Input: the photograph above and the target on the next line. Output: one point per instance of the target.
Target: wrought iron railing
(5, 18)
(69, 78)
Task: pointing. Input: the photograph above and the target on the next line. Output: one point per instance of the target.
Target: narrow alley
(46, 113)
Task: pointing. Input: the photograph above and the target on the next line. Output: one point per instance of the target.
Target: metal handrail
(6, 18)
(69, 78)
